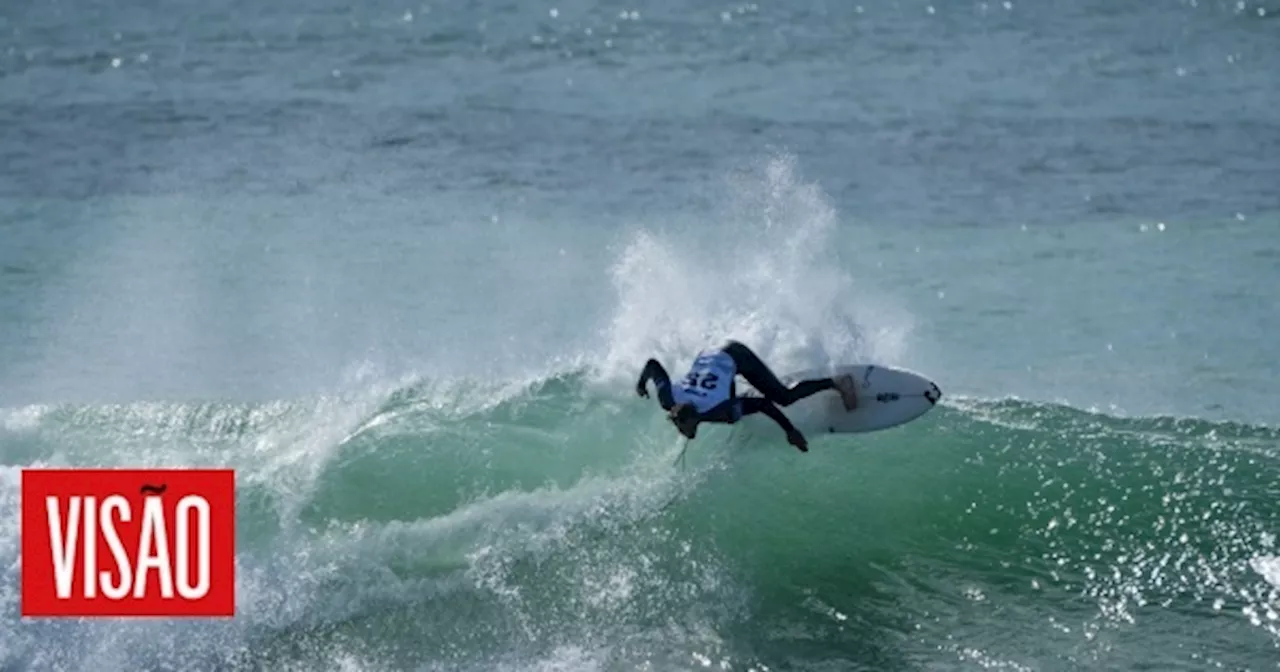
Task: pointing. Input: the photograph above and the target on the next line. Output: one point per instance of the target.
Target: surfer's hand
(642, 390)
(797, 439)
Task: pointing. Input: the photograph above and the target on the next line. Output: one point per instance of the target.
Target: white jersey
(708, 382)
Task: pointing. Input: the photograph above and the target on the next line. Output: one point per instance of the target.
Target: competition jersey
(708, 383)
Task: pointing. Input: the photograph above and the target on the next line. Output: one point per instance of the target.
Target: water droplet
(408, 17)
(930, 9)
(115, 62)
(554, 12)
(1159, 226)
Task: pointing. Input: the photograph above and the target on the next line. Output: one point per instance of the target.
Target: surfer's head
(685, 418)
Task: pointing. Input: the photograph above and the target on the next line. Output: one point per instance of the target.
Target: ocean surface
(400, 263)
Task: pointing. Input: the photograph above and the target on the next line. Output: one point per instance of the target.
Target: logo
(128, 542)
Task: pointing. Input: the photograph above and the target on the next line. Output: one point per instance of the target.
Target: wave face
(543, 525)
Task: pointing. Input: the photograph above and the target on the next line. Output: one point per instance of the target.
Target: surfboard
(887, 397)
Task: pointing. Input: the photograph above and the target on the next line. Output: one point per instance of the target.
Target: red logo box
(128, 542)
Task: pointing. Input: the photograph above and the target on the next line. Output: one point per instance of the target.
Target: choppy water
(399, 264)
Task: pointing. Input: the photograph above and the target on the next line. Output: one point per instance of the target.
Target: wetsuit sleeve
(661, 382)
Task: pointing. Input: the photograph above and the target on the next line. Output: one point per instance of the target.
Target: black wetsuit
(749, 366)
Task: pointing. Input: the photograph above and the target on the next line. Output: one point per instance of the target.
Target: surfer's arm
(758, 405)
(654, 371)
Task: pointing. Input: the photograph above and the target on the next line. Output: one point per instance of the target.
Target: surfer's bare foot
(845, 385)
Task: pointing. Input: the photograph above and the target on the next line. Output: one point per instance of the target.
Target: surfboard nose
(933, 394)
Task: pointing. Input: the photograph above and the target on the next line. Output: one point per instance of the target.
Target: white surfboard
(887, 397)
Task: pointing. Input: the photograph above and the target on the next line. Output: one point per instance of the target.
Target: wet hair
(682, 413)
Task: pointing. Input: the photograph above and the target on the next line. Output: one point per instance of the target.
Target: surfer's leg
(758, 374)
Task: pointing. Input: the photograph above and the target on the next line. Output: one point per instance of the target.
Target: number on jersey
(707, 380)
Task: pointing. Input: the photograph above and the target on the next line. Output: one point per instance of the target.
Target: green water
(548, 521)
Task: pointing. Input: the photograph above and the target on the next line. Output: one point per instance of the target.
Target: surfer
(707, 392)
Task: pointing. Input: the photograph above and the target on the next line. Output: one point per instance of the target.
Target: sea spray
(768, 267)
